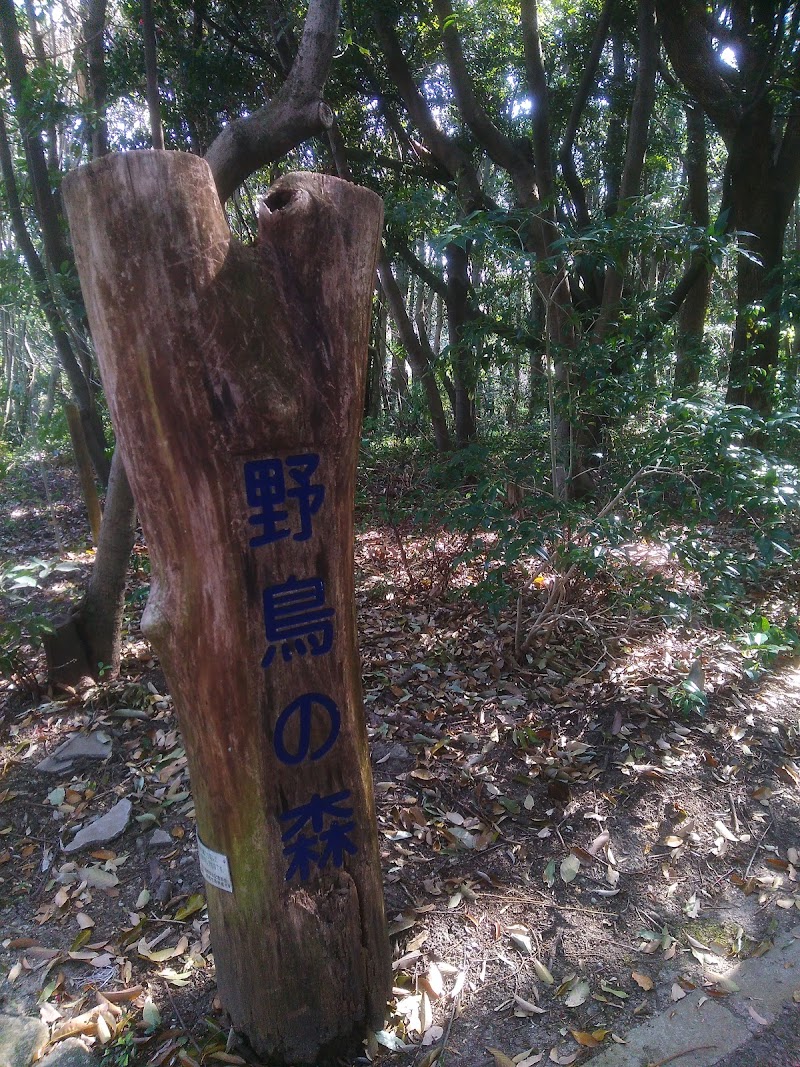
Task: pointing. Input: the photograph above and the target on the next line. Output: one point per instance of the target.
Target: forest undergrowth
(584, 733)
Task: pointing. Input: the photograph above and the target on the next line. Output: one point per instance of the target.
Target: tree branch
(566, 158)
(537, 83)
(295, 113)
(443, 148)
(499, 146)
(668, 305)
(687, 38)
(422, 270)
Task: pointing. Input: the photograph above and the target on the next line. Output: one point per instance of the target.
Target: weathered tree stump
(235, 379)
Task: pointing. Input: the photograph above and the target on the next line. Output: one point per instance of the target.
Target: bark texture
(231, 372)
(692, 315)
(83, 463)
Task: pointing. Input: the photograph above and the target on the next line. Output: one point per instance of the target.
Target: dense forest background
(587, 330)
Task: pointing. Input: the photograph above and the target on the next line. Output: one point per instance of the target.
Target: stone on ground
(69, 1053)
(96, 745)
(21, 1039)
(104, 829)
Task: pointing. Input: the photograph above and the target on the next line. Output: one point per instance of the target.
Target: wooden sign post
(235, 379)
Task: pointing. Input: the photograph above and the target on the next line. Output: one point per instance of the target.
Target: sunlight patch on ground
(791, 678)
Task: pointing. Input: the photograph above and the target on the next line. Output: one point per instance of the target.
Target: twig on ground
(180, 1019)
(677, 1055)
(734, 816)
(454, 1012)
(543, 619)
(758, 846)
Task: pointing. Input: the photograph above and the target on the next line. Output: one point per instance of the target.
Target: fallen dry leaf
(754, 1015)
(527, 1007)
(569, 868)
(500, 1058)
(583, 1037)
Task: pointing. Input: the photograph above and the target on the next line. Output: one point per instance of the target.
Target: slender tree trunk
(99, 617)
(151, 66)
(614, 150)
(75, 363)
(692, 315)
(399, 378)
(462, 355)
(50, 396)
(636, 147)
(83, 463)
(763, 168)
(93, 29)
(416, 355)
(372, 395)
(9, 368)
(382, 330)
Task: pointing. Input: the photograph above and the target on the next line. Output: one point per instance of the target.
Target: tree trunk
(235, 378)
(83, 462)
(376, 376)
(792, 366)
(9, 368)
(94, 23)
(758, 199)
(86, 645)
(692, 315)
(151, 68)
(635, 151)
(462, 357)
(416, 355)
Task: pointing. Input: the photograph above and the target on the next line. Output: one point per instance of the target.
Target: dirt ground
(565, 850)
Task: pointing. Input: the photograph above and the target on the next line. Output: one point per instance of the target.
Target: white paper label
(214, 867)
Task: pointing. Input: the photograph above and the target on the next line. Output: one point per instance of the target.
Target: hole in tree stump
(281, 198)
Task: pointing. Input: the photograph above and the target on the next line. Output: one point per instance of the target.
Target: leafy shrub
(22, 628)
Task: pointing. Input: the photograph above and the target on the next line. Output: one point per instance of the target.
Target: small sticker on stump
(214, 867)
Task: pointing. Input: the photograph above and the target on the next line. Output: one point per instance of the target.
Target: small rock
(96, 745)
(21, 1039)
(159, 838)
(69, 1053)
(398, 751)
(163, 892)
(104, 829)
(384, 752)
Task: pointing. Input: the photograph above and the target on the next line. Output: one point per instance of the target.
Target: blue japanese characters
(330, 821)
(298, 623)
(300, 713)
(296, 619)
(265, 482)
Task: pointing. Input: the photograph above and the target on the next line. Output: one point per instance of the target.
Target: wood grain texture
(215, 356)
